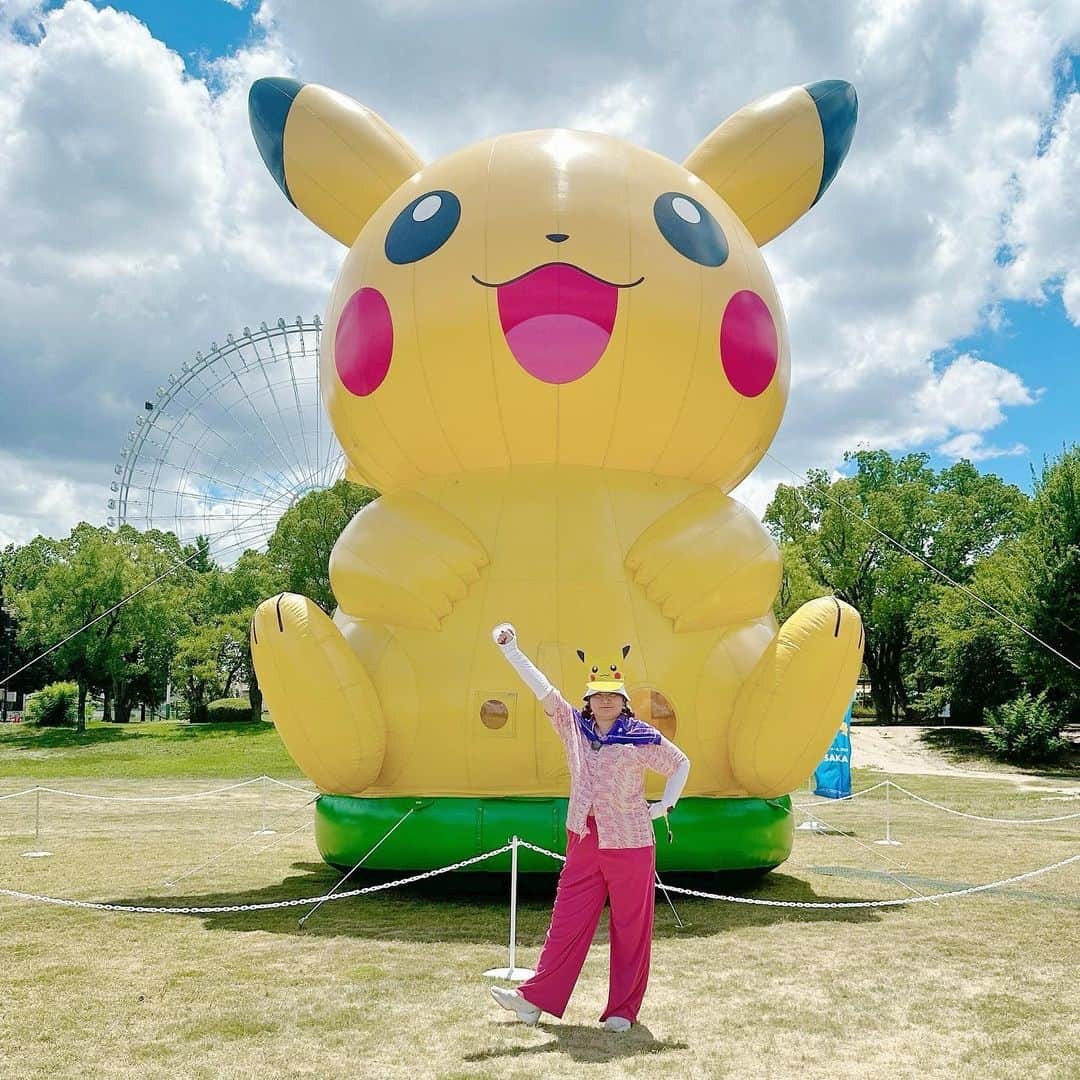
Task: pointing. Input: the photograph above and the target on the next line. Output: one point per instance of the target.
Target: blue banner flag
(832, 778)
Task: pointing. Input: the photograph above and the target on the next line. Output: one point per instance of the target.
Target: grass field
(390, 985)
(133, 751)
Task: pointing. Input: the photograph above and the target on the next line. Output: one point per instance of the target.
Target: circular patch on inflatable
(364, 342)
(748, 344)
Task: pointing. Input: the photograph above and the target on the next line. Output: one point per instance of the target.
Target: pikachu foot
(319, 694)
(795, 698)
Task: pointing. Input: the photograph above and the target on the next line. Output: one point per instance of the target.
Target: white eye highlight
(683, 207)
(428, 208)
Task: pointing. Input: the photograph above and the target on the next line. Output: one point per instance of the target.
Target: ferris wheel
(230, 442)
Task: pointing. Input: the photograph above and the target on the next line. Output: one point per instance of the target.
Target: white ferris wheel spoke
(229, 444)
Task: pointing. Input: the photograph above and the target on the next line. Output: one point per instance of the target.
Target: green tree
(252, 580)
(214, 650)
(1047, 579)
(68, 584)
(301, 545)
(15, 653)
(209, 656)
(966, 649)
(842, 532)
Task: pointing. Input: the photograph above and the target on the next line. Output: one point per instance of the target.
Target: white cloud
(1043, 231)
(972, 445)
(138, 222)
(138, 225)
(970, 394)
(38, 498)
(619, 110)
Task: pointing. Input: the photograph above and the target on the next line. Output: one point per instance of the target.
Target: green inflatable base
(710, 834)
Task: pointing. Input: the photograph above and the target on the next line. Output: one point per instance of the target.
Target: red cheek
(748, 347)
(364, 342)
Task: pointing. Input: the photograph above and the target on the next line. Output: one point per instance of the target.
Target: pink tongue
(557, 321)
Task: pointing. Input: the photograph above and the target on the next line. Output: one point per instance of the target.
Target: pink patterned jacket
(609, 783)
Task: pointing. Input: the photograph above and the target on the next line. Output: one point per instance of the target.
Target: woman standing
(610, 849)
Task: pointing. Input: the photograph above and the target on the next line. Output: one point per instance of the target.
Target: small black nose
(558, 237)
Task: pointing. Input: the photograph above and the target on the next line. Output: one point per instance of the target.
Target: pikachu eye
(690, 229)
(423, 227)
(612, 667)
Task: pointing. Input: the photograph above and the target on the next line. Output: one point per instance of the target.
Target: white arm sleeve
(675, 783)
(672, 790)
(530, 674)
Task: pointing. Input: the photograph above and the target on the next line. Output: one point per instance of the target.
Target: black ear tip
(269, 102)
(625, 651)
(581, 655)
(837, 104)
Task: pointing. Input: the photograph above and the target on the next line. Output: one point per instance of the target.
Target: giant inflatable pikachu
(554, 354)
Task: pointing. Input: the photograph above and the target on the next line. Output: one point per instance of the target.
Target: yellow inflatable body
(554, 353)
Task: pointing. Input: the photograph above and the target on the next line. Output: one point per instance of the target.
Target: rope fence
(513, 845)
(157, 798)
(272, 905)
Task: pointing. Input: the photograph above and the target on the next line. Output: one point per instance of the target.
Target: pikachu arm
(706, 563)
(404, 561)
(793, 700)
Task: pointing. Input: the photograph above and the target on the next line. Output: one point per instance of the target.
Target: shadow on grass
(474, 908)
(28, 737)
(578, 1042)
(965, 745)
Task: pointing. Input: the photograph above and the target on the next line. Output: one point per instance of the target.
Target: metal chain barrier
(839, 903)
(229, 909)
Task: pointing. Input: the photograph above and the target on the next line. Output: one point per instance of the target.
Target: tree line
(877, 538)
(189, 629)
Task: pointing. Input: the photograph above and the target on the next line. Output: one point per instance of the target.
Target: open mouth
(557, 319)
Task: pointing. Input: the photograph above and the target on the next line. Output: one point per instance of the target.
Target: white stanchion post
(811, 824)
(888, 820)
(512, 972)
(263, 829)
(37, 853)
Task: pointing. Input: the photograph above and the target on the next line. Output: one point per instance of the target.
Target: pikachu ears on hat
(605, 678)
(773, 159)
(335, 160)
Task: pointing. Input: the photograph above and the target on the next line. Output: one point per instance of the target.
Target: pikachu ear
(773, 159)
(625, 651)
(581, 655)
(335, 160)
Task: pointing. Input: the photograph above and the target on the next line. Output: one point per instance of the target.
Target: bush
(1025, 729)
(228, 710)
(55, 706)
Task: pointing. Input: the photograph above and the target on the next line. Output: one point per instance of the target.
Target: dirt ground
(900, 749)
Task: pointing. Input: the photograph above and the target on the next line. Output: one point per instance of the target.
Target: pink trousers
(591, 874)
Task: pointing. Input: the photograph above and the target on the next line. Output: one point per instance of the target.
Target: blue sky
(933, 295)
(1038, 342)
(196, 29)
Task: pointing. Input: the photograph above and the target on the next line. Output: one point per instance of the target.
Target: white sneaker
(527, 1013)
(616, 1023)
